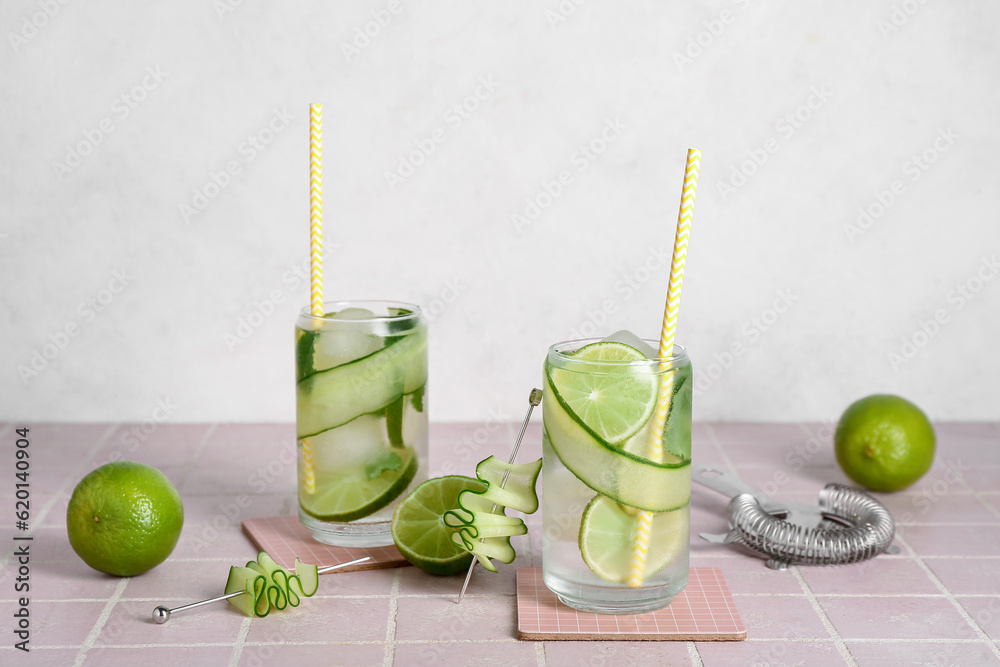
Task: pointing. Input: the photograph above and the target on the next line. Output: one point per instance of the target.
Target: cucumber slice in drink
(677, 437)
(607, 533)
(394, 421)
(418, 398)
(305, 344)
(610, 470)
(333, 397)
(354, 494)
(616, 402)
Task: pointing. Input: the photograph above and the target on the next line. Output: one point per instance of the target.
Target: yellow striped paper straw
(315, 256)
(308, 468)
(316, 209)
(640, 545)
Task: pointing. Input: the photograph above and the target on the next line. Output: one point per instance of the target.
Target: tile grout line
(512, 595)
(824, 619)
(838, 641)
(37, 522)
(983, 637)
(102, 620)
(982, 501)
(911, 640)
(540, 654)
(197, 455)
(694, 655)
(722, 450)
(86, 461)
(789, 640)
(241, 641)
(389, 657)
(379, 596)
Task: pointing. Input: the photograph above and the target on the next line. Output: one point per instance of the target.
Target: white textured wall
(886, 82)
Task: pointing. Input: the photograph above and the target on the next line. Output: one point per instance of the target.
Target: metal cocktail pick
(534, 398)
(161, 614)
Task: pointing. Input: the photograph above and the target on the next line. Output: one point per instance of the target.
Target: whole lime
(884, 442)
(124, 518)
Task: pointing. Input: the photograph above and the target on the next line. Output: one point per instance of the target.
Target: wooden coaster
(703, 611)
(284, 538)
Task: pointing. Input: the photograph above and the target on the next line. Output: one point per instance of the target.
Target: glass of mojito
(361, 421)
(607, 470)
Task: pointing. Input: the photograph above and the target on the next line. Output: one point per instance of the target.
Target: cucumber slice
(305, 344)
(333, 397)
(480, 521)
(627, 478)
(676, 436)
(254, 584)
(268, 585)
(278, 593)
(418, 398)
(394, 421)
(308, 577)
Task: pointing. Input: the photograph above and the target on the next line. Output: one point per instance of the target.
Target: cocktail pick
(161, 614)
(534, 398)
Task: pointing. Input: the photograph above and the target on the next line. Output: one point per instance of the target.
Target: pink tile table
(936, 602)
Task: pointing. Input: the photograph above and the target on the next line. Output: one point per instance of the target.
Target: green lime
(616, 402)
(419, 530)
(361, 491)
(607, 533)
(884, 442)
(124, 518)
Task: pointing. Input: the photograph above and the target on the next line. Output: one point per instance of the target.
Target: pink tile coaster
(704, 611)
(284, 538)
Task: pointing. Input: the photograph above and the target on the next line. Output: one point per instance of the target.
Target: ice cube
(336, 346)
(353, 444)
(630, 339)
(354, 314)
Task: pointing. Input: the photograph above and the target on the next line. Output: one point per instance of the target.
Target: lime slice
(419, 530)
(607, 531)
(362, 490)
(614, 403)
(608, 469)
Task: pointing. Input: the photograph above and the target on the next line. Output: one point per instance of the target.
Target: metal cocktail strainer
(847, 526)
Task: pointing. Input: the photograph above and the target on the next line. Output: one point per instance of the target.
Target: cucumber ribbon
(268, 585)
(483, 530)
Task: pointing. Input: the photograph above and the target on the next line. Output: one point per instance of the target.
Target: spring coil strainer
(847, 526)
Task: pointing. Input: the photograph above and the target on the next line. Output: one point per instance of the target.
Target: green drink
(604, 464)
(361, 378)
